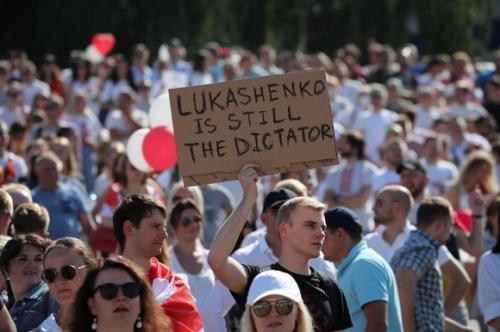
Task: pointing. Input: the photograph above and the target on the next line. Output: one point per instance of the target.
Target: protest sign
(283, 123)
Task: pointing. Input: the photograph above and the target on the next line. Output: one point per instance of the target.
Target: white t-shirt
(117, 121)
(424, 118)
(488, 286)
(10, 116)
(48, 325)
(200, 284)
(464, 111)
(384, 177)
(88, 125)
(349, 180)
(374, 125)
(387, 250)
(440, 174)
(31, 90)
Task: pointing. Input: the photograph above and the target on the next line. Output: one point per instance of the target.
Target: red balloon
(103, 42)
(159, 148)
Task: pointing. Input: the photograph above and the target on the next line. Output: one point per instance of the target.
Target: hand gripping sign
(281, 122)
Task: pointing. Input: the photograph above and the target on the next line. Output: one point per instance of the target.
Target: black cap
(411, 165)
(341, 217)
(275, 199)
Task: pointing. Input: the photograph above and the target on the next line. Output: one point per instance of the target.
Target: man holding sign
(301, 226)
(283, 122)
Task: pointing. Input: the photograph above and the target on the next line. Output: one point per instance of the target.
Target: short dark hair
(357, 141)
(431, 209)
(14, 246)
(135, 208)
(30, 218)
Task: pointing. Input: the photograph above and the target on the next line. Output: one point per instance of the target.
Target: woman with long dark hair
(116, 296)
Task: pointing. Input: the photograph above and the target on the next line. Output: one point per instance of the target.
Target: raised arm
(228, 270)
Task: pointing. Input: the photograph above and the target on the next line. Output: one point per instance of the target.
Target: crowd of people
(402, 235)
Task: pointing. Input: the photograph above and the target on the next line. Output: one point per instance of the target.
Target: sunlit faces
(148, 238)
(331, 246)
(305, 231)
(120, 310)
(275, 321)
(25, 269)
(414, 181)
(62, 289)
(189, 225)
(382, 209)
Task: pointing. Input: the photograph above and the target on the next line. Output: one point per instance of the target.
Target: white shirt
(117, 121)
(258, 253)
(48, 325)
(387, 250)
(200, 284)
(466, 110)
(384, 177)
(254, 236)
(488, 286)
(441, 174)
(10, 116)
(424, 118)
(32, 89)
(374, 125)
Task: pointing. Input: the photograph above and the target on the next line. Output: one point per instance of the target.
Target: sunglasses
(109, 291)
(186, 221)
(68, 272)
(263, 308)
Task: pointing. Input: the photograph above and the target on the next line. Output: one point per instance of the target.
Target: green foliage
(59, 26)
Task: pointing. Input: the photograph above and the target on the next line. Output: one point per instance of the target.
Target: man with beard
(414, 177)
(350, 183)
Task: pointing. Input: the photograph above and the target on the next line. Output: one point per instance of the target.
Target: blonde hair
(289, 206)
(294, 185)
(471, 164)
(303, 324)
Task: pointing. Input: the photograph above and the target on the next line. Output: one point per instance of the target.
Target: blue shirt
(366, 277)
(419, 254)
(33, 308)
(65, 205)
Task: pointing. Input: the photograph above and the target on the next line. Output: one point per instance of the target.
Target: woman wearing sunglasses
(66, 263)
(116, 296)
(29, 299)
(274, 303)
(188, 256)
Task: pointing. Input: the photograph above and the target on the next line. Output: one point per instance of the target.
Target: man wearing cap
(263, 251)
(365, 277)
(463, 107)
(301, 228)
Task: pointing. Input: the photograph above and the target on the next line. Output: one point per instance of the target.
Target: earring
(94, 324)
(138, 324)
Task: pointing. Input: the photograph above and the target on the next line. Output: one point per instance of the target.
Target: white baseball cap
(273, 282)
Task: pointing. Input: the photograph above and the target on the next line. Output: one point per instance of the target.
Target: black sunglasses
(186, 221)
(68, 272)
(109, 291)
(283, 307)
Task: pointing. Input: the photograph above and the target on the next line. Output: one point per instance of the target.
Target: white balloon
(134, 150)
(160, 113)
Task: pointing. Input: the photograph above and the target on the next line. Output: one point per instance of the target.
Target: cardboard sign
(283, 123)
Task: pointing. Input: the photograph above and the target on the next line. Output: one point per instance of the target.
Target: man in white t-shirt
(440, 172)
(425, 112)
(123, 121)
(31, 85)
(14, 110)
(375, 122)
(463, 107)
(393, 154)
(350, 183)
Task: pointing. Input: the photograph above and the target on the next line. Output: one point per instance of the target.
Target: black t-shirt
(327, 314)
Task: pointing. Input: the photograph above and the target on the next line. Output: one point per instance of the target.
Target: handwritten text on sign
(280, 122)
